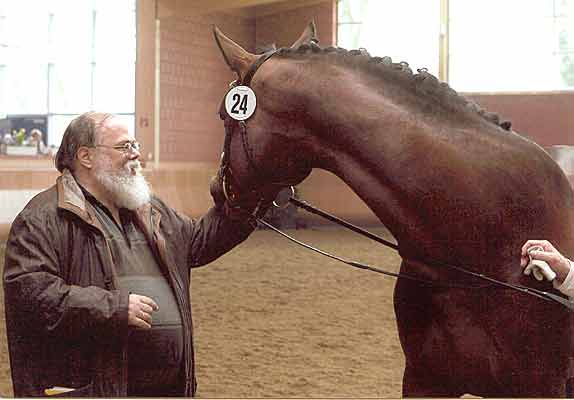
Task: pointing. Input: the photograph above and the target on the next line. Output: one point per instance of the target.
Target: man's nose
(134, 154)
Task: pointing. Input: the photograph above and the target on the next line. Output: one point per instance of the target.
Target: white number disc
(240, 102)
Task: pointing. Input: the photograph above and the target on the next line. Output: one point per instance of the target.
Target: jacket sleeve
(214, 234)
(37, 298)
(207, 238)
(567, 287)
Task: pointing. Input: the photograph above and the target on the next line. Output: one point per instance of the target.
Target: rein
(225, 173)
(309, 208)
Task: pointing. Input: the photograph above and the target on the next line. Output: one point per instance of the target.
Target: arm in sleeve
(567, 287)
(37, 297)
(215, 234)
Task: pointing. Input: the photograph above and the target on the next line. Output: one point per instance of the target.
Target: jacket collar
(71, 198)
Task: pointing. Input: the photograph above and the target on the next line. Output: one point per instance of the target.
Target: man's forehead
(115, 128)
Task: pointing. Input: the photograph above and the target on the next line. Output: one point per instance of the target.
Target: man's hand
(139, 311)
(553, 257)
(216, 190)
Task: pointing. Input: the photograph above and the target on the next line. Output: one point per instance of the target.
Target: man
(96, 275)
(563, 268)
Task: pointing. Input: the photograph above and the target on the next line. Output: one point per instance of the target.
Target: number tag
(240, 102)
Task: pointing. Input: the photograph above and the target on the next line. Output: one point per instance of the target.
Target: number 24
(241, 102)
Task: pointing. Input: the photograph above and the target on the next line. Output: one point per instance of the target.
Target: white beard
(127, 189)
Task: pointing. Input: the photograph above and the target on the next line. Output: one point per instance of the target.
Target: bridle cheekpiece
(225, 173)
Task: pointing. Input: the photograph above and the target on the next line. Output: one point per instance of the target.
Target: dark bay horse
(450, 182)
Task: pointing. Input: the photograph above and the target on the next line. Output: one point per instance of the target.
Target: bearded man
(96, 276)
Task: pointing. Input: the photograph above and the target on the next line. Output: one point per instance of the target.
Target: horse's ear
(238, 59)
(309, 35)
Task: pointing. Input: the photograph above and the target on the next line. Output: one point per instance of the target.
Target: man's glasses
(126, 148)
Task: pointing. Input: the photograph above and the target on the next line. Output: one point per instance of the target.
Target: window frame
(444, 66)
(52, 62)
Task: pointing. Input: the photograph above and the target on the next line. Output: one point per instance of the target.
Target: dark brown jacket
(66, 319)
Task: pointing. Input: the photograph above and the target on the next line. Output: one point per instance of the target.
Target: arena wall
(547, 118)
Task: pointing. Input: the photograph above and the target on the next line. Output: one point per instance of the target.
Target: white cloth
(567, 287)
(540, 269)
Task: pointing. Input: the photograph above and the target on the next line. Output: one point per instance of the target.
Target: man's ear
(84, 157)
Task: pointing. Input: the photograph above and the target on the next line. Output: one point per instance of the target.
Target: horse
(453, 185)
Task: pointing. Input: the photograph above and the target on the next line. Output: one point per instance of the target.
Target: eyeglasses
(127, 147)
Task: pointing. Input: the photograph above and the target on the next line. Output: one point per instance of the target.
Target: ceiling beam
(182, 8)
(262, 10)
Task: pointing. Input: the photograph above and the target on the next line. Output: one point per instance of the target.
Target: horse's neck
(390, 152)
(364, 129)
(444, 182)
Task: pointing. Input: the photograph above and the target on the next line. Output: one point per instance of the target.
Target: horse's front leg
(448, 350)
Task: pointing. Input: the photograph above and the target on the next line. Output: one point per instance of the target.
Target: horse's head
(265, 152)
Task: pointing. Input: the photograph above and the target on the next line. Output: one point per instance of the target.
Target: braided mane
(422, 81)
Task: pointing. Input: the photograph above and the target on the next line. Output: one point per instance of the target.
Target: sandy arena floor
(275, 320)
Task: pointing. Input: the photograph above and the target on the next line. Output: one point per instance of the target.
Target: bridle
(225, 177)
(228, 184)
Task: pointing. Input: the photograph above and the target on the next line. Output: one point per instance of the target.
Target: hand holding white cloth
(540, 269)
(536, 255)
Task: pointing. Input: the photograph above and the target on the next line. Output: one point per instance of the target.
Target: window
(62, 58)
(527, 45)
(3, 89)
(494, 46)
(405, 30)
